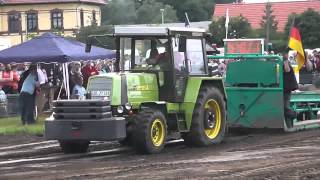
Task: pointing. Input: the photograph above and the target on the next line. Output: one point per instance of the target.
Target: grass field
(13, 126)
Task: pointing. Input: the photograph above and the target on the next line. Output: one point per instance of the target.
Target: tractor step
(182, 125)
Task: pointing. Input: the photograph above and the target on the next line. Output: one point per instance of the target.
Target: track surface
(258, 155)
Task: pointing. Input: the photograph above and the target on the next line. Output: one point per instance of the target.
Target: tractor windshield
(144, 53)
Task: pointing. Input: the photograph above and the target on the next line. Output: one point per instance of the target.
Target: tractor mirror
(182, 44)
(88, 44)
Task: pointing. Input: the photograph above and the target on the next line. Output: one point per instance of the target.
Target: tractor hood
(122, 88)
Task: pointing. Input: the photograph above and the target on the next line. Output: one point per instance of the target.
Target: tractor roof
(155, 31)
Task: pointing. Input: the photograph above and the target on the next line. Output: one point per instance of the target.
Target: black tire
(128, 140)
(69, 147)
(146, 141)
(205, 127)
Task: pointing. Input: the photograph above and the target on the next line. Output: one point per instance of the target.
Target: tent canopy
(49, 48)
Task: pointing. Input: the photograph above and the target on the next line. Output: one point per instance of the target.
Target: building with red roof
(22, 19)
(255, 11)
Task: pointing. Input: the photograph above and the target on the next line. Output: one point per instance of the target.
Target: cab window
(195, 56)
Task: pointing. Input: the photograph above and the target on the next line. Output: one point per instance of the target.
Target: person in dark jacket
(289, 84)
(29, 87)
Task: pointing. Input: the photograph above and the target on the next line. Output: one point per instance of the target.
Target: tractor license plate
(100, 93)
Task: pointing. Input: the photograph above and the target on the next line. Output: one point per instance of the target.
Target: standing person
(78, 91)
(213, 67)
(222, 68)
(289, 84)
(42, 96)
(27, 95)
(87, 71)
(75, 69)
(9, 79)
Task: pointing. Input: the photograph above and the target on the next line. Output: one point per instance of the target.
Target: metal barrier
(308, 77)
(13, 104)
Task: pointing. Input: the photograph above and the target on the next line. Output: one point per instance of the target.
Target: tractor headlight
(128, 106)
(120, 109)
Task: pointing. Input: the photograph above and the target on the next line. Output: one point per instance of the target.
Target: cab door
(196, 57)
(180, 71)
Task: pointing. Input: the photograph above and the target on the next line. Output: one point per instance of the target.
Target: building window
(14, 22)
(81, 18)
(56, 19)
(32, 22)
(94, 20)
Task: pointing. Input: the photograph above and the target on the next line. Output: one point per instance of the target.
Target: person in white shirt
(78, 91)
(41, 98)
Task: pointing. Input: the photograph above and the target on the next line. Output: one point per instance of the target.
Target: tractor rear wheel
(69, 147)
(150, 131)
(208, 124)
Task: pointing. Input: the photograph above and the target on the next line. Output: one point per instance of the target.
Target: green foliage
(225, 1)
(137, 12)
(13, 126)
(149, 13)
(198, 10)
(279, 45)
(31, 35)
(119, 12)
(239, 27)
(273, 24)
(217, 29)
(104, 41)
(309, 26)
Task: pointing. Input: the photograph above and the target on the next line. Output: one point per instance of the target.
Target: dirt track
(263, 155)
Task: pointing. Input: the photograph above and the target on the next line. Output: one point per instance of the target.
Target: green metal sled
(254, 86)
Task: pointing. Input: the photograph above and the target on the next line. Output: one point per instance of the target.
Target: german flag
(295, 43)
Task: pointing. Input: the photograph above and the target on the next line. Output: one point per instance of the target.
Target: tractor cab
(171, 54)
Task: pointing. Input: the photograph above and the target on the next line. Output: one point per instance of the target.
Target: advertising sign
(244, 46)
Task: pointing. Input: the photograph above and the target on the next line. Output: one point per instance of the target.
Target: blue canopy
(49, 48)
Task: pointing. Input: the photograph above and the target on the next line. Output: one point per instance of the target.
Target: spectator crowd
(37, 85)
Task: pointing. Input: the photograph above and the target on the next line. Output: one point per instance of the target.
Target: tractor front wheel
(150, 131)
(209, 119)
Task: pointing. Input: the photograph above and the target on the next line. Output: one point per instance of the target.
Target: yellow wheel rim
(213, 106)
(157, 132)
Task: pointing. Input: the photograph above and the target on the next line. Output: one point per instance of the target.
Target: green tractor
(162, 88)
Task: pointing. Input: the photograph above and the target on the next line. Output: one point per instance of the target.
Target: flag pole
(227, 23)
(187, 21)
(226, 32)
(292, 24)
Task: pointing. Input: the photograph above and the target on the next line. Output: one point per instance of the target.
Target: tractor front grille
(100, 88)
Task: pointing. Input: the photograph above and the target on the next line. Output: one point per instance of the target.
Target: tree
(239, 27)
(119, 12)
(225, 1)
(198, 10)
(105, 42)
(268, 23)
(136, 12)
(308, 24)
(217, 29)
(149, 13)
